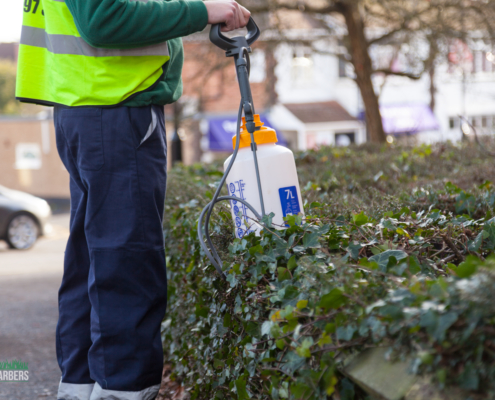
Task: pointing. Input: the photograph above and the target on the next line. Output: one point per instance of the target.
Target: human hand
(227, 12)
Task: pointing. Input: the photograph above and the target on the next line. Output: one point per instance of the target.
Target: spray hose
(239, 48)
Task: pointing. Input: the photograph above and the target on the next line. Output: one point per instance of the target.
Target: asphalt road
(29, 282)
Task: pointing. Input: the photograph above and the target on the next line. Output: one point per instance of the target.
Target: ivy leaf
(266, 327)
(360, 219)
(304, 349)
(283, 274)
(252, 328)
(383, 258)
(489, 233)
(256, 249)
(267, 220)
(291, 292)
(468, 267)
(474, 245)
(465, 203)
(354, 249)
(324, 339)
(311, 240)
(292, 264)
(388, 224)
(240, 386)
(334, 299)
(347, 391)
(444, 323)
(265, 257)
(299, 389)
(201, 311)
(469, 378)
(302, 304)
(232, 280)
(429, 320)
(346, 332)
(283, 391)
(292, 362)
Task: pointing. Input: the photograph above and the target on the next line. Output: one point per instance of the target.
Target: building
(9, 51)
(29, 159)
(309, 125)
(292, 83)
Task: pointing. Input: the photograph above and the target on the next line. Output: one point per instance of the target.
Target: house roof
(329, 111)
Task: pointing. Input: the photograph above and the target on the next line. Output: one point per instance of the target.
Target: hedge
(410, 271)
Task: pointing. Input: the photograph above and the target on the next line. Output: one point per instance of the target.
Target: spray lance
(255, 149)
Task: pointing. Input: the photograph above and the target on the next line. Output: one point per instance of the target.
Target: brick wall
(211, 78)
(52, 179)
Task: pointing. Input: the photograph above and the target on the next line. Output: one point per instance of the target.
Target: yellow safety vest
(56, 65)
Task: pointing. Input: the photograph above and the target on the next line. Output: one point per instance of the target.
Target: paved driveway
(29, 282)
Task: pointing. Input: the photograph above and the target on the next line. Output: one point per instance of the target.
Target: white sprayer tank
(278, 175)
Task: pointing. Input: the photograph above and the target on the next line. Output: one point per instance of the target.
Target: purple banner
(407, 118)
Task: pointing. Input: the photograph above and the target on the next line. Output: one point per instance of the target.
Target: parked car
(23, 218)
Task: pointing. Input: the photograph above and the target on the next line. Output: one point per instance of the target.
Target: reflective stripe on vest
(66, 44)
(57, 66)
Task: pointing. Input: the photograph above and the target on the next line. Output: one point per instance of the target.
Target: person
(108, 67)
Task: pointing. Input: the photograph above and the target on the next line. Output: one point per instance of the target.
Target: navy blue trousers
(114, 289)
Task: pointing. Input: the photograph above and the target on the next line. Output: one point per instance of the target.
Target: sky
(10, 20)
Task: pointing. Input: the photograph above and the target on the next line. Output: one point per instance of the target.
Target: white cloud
(10, 20)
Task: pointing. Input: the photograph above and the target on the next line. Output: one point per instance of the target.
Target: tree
(8, 104)
(371, 23)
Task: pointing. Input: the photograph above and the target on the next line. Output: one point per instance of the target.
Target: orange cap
(262, 136)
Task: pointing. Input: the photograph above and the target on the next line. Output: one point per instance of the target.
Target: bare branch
(403, 74)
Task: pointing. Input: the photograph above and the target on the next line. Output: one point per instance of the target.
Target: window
(345, 139)
(452, 123)
(302, 67)
(483, 61)
(258, 66)
(483, 123)
(478, 61)
(342, 68)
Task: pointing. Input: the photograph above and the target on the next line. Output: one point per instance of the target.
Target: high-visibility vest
(56, 65)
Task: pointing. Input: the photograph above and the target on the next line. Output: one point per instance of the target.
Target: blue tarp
(222, 129)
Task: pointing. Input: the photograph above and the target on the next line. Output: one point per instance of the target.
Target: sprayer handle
(227, 44)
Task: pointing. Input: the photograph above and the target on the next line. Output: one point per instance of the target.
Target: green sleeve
(124, 24)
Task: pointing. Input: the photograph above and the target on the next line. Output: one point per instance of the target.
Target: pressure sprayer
(277, 189)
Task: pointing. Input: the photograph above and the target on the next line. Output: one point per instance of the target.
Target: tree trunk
(271, 77)
(433, 88)
(361, 61)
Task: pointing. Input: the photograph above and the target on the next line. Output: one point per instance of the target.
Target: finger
(229, 19)
(245, 14)
(227, 27)
(229, 23)
(234, 19)
(237, 20)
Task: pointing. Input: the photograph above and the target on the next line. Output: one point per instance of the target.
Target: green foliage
(8, 104)
(411, 272)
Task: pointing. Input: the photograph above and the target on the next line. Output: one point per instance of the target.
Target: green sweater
(125, 24)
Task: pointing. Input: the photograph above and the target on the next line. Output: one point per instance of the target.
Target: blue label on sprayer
(238, 189)
(289, 201)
